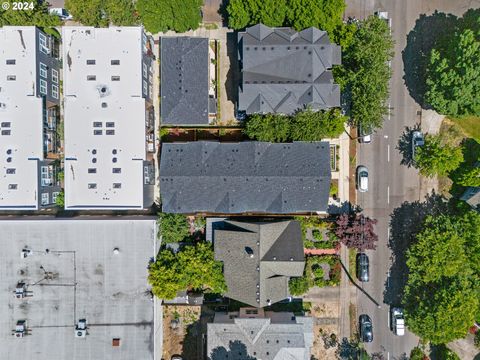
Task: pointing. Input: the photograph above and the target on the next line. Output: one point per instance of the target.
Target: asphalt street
(391, 183)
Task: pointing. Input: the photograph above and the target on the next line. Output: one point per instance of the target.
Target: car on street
(364, 134)
(365, 328)
(362, 178)
(397, 321)
(363, 265)
(417, 140)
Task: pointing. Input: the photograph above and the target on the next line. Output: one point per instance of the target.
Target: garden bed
(321, 271)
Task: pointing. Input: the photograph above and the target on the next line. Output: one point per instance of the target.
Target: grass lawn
(471, 125)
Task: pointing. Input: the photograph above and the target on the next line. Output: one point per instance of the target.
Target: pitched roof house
(284, 70)
(184, 63)
(259, 259)
(245, 177)
(255, 334)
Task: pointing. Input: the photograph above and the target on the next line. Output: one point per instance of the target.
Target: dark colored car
(363, 265)
(366, 328)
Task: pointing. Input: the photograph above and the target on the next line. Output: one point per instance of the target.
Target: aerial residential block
(109, 118)
(245, 178)
(283, 71)
(77, 289)
(29, 114)
(257, 334)
(188, 96)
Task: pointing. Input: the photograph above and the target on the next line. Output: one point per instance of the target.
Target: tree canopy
(306, 125)
(192, 268)
(103, 12)
(365, 73)
(173, 227)
(453, 75)
(467, 176)
(356, 231)
(441, 295)
(162, 15)
(38, 16)
(437, 158)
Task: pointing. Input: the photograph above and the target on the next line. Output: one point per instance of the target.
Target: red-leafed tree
(356, 231)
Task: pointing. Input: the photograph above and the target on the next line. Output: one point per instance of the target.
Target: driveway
(392, 182)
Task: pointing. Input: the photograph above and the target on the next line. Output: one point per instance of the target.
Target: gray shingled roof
(255, 177)
(184, 80)
(259, 258)
(284, 70)
(260, 338)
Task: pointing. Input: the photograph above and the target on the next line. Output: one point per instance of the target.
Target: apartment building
(109, 118)
(29, 115)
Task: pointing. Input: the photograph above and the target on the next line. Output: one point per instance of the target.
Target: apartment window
(5, 132)
(43, 70)
(117, 185)
(43, 43)
(110, 124)
(97, 132)
(115, 78)
(10, 61)
(43, 87)
(91, 78)
(145, 88)
(55, 76)
(12, 186)
(145, 70)
(6, 124)
(97, 124)
(55, 91)
(11, 77)
(54, 196)
(45, 176)
(11, 171)
(115, 62)
(110, 132)
(92, 186)
(117, 170)
(90, 62)
(92, 170)
(45, 198)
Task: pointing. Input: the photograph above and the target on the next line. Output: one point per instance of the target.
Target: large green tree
(103, 12)
(453, 76)
(243, 13)
(192, 268)
(268, 127)
(173, 227)
(162, 15)
(441, 297)
(467, 176)
(38, 16)
(311, 125)
(437, 158)
(365, 73)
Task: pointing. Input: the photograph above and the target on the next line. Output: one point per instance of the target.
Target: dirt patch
(325, 329)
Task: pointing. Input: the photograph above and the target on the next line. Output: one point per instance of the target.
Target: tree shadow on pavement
(405, 223)
(426, 35)
(405, 145)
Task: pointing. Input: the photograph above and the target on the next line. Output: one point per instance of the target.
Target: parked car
(417, 140)
(365, 328)
(384, 16)
(176, 357)
(362, 178)
(61, 13)
(363, 265)
(364, 134)
(397, 321)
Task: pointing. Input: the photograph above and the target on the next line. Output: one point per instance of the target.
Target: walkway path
(320, 251)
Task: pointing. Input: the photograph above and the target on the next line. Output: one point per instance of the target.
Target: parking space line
(388, 152)
(388, 194)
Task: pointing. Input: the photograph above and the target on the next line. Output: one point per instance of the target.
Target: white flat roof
(89, 282)
(20, 107)
(114, 106)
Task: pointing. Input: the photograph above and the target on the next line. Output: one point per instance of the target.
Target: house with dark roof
(472, 195)
(259, 258)
(185, 82)
(245, 178)
(257, 334)
(283, 70)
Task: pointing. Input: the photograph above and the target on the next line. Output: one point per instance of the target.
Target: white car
(362, 178)
(397, 321)
(61, 13)
(417, 140)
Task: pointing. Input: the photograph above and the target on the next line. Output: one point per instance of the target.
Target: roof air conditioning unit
(81, 328)
(25, 253)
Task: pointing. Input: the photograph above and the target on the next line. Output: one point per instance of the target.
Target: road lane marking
(388, 233)
(388, 355)
(388, 152)
(385, 136)
(388, 194)
(389, 110)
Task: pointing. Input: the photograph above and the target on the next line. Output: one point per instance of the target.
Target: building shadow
(236, 350)
(233, 74)
(426, 35)
(405, 223)
(404, 145)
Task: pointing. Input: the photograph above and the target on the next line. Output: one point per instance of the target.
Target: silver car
(417, 140)
(362, 178)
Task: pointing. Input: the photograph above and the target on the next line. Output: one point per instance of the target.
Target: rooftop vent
(116, 251)
(249, 251)
(116, 342)
(103, 90)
